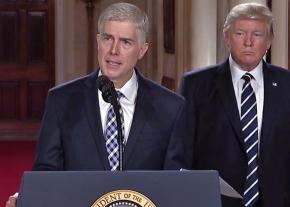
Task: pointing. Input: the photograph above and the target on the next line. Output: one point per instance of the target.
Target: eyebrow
(121, 38)
(106, 34)
(127, 39)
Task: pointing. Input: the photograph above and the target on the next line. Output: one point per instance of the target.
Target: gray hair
(126, 12)
(253, 11)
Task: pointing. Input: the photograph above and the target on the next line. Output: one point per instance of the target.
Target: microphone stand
(110, 96)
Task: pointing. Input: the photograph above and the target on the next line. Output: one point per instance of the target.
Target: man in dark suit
(239, 113)
(75, 133)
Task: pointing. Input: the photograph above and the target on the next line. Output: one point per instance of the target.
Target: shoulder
(203, 73)
(200, 78)
(277, 73)
(74, 86)
(277, 69)
(158, 92)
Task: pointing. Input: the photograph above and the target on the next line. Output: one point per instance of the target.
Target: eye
(106, 38)
(239, 33)
(127, 42)
(258, 34)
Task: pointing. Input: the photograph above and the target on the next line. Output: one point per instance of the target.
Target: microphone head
(107, 88)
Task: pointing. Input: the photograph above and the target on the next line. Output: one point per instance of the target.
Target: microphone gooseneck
(109, 94)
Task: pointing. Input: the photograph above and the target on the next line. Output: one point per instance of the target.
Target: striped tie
(249, 125)
(111, 135)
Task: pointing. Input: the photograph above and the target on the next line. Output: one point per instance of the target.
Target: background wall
(198, 36)
(198, 42)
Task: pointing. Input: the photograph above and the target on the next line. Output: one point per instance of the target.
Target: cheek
(103, 49)
(262, 47)
(131, 56)
(100, 56)
(233, 43)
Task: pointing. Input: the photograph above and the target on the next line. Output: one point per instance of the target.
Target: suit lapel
(94, 118)
(227, 93)
(142, 109)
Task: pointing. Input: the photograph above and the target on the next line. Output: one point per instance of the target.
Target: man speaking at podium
(78, 129)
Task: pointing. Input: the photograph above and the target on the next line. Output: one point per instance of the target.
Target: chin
(110, 73)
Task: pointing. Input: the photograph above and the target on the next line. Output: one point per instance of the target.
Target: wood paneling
(37, 92)
(7, 1)
(8, 35)
(37, 37)
(37, 1)
(26, 62)
(169, 26)
(9, 97)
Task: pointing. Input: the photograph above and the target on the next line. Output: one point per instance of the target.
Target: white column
(203, 33)
(64, 39)
(279, 52)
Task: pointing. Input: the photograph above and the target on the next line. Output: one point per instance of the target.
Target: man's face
(119, 49)
(248, 40)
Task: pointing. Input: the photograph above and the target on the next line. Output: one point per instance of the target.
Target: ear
(98, 36)
(143, 50)
(227, 38)
(269, 43)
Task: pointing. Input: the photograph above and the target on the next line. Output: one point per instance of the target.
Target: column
(64, 39)
(279, 52)
(203, 33)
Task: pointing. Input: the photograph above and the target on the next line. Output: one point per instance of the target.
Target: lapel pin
(274, 84)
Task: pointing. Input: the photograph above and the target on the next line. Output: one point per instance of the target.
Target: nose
(115, 48)
(248, 41)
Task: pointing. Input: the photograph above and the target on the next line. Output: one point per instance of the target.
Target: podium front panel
(84, 188)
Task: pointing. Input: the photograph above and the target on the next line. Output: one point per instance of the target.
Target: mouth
(248, 52)
(113, 63)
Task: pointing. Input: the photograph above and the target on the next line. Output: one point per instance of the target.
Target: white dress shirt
(128, 102)
(257, 84)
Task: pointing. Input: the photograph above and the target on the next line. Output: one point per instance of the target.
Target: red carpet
(15, 158)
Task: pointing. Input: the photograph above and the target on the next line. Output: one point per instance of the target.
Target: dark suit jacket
(71, 136)
(215, 132)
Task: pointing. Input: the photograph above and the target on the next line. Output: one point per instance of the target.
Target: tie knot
(247, 77)
(119, 95)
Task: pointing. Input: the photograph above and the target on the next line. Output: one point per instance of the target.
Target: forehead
(250, 24)
(120, 27)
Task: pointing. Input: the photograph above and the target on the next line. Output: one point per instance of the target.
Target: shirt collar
(129, 90)
(237, 72)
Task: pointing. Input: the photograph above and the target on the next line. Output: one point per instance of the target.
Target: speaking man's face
(119, 49)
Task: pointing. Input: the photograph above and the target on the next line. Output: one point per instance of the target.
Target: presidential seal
(123, 198)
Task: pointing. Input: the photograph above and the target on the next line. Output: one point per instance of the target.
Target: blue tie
(249, 125)
(111, 135)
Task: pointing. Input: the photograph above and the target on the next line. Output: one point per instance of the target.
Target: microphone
(107, 88)
(109, 94)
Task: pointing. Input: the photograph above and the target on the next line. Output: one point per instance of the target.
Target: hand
(12, 200)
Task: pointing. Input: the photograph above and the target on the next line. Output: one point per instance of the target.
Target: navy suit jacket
(71, 136)
(215, 131)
